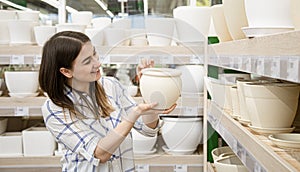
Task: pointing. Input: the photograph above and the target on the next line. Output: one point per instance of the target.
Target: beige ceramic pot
(161, 85)
(219, 21)
(295, 13)
(272, 105)
(221, 152)
(230, 163)
(234, 12)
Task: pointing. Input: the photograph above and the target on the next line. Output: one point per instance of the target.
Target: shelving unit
(276, 56)
(31, 107)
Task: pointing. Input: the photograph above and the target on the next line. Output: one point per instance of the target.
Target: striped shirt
(79, 137)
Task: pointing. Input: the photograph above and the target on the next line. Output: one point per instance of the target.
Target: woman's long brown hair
(60, 51)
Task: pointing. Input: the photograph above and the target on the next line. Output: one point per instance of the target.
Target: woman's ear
(66, 72)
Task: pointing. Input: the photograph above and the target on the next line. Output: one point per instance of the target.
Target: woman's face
(85, 68)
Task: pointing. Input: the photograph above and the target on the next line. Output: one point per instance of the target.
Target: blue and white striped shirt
(79, 137)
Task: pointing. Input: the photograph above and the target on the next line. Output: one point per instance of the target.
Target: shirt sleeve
(72, 132)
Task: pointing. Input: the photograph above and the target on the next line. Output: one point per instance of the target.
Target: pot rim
(165, 72)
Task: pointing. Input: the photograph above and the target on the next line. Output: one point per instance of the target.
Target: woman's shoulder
(109, 81)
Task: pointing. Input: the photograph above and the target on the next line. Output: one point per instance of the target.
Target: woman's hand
(145, 63)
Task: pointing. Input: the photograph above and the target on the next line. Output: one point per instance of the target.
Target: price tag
(260, 66)
(180, 168)
(37, 59)
(17, 59)
(190, 110)
(142, 168)
(275, 67)
(167, 59)
(21, 111)
(292, 69)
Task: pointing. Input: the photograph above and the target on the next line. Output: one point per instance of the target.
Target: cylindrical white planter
(161, 85)
(11, 144)
(28, 15)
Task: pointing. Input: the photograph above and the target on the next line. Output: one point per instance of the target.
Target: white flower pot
(28, 15)
(22, 81)
(101, 22)
(295, 12)
(96, 36)
(193, 24)
(221, 152)
(161, 85)
(82, 17)
(230, 163)
(8, 14)
(116, 37)
(38, 141)
(4, 32)
(43, 33)
(182, 133)
(159, 31)
(11, 144)
(268, 13)
(121, 23)
(21, 31)
(141, 143)
(272, 105)
(192, 78)
(235, 16)
(220, 23)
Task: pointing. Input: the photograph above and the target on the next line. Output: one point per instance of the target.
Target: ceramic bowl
(230, 163)
(182, 133)
(221, 152)
(22, 81)
(161, 85)
(286, 140)
(142, 143)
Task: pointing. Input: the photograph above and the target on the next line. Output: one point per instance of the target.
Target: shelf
(31, 106)
(255, 151)
(31, 54)
(275, 56)
(159, 160)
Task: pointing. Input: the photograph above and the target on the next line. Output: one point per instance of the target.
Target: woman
(89, 115)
